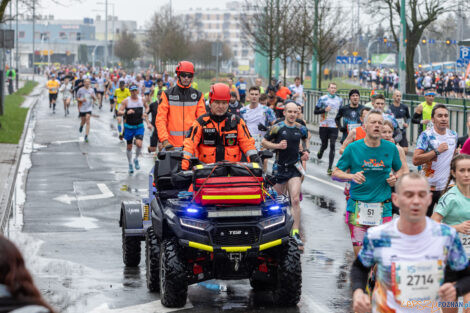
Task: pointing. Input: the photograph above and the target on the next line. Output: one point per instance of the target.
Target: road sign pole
(315, 40)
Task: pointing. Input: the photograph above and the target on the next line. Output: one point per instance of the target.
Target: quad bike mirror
(265, 154)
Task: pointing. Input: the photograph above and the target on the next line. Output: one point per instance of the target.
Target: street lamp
(106, 29)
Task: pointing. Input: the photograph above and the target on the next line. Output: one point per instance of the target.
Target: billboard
(383, 59)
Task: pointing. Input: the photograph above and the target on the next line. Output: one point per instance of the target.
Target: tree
(83, 54)
(304, 30)
(260, 25)
(126, 48)
(286, 38)
(330, 34)
(419, 15)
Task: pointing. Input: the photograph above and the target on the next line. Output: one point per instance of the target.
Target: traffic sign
(464, 52)
(349, 60)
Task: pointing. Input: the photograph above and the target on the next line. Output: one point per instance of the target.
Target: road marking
(105, 193)
(151, 307)
(312, 305)
(64, 141)
(324, 181)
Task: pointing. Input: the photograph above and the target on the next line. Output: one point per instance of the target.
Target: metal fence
(458, 113)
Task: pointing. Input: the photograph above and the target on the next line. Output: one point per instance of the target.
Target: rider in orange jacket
(180, 106)
(219, 135)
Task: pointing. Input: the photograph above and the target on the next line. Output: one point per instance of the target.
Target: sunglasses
(186, 75)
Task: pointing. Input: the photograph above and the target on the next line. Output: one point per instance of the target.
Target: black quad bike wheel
(152, 260)
(289, 276)
(173, 275)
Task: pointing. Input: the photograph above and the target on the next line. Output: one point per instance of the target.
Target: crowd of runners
(410, 230)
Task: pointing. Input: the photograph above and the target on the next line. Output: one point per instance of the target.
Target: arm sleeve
(338, 117)
(359, 275)
(417, 118)
(162, 119)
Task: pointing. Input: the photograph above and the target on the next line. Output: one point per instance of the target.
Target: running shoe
(80, 129)
(53, 111)
(319, 155)
(121, 136)
(86, 138)
(297, 239)
(131, 169)
(329, 172)
(136, 164)
(111, 110)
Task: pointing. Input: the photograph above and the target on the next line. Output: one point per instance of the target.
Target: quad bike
(229, 225)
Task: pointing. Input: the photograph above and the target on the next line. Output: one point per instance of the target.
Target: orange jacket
(178, 109)
(212, 141)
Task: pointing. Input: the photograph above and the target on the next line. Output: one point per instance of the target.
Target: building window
(20, 34)
(62, 35)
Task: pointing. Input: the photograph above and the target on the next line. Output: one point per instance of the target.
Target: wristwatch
(437, 152)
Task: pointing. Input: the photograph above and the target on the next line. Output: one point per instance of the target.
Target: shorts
(404, 141)
(83, 114)
(111, 101)
(154, 139)
(131, 133)
(52, 96)
(283, 174)
(359, 231)
(100, 92)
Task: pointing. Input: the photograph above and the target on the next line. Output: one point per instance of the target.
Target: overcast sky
(136, 10)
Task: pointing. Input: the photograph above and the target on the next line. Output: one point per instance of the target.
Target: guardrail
(458, 113)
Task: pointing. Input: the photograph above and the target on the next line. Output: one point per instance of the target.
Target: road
(66, 224)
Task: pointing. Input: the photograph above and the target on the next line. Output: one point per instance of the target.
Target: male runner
(285, 138)
(100, 88)
(53, 86)
(85, 97)
(119, 95)
(350, 114)
(328, 105)
(66, 90)
(419, 262)
(402, 116)
(134, 108)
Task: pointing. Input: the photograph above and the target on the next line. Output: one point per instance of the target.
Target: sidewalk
(9, 160)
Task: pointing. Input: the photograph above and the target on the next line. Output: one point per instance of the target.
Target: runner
(148, 85)
(53, 87)
(258, 118)
(110, 91)
(153, 109)
(241, 86)
(66, 90)
(402, 116)
(134, 109)
(350, 114)
(434, 151)
(416, 258)
(358, 132)
(285, 138)
(369, 162)
(120, 94)
(328, 105)
(422, 114)
(387, 134)
(100, 89)
(85, 98)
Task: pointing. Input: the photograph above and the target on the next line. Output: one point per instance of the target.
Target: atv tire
(289, 276)
(130, 250)
(173, 275)
(152, 260)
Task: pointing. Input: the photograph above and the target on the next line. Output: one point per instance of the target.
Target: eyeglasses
(186, 75)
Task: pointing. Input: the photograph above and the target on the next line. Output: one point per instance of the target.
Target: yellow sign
(345, 52)
(355, 53)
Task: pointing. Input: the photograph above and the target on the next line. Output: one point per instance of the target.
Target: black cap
(353, 91)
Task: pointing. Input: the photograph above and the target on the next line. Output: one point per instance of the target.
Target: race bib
(353, 126)
(369, 214)
(54, 90)
(400, 122)
(147, 90)
(465, 239)
(332, 113)
(417, 281)
(300, 168)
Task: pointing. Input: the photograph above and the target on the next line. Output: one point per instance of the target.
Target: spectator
(298, 93)
(17, 289)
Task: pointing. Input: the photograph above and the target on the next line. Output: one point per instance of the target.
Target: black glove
(262, 128)
(255, 158)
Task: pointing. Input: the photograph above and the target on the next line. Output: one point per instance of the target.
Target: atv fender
(131, 218)
(157, 218)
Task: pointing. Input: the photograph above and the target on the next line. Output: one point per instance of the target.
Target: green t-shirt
(377, 164)
(454, 207)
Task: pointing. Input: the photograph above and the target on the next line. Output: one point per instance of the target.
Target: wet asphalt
(68, 226)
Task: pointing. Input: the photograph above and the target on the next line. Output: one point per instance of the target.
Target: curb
(5, 206)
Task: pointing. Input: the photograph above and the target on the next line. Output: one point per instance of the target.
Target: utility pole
(11, 27)
(17, 46)
(276, 61)
(114, 35)
(402, 49)
(34, 36)
(106, 34)
(315, 43)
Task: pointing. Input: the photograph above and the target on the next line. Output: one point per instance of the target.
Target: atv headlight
(194, 223)
(273, 221)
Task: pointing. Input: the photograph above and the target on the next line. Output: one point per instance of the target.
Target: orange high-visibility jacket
(212, 141)
(178, 109)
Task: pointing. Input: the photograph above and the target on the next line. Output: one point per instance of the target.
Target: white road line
(105, 193)
(324, 181)
(151, 307)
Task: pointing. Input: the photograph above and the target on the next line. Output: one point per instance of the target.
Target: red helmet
(185, 66)
(219, 91)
